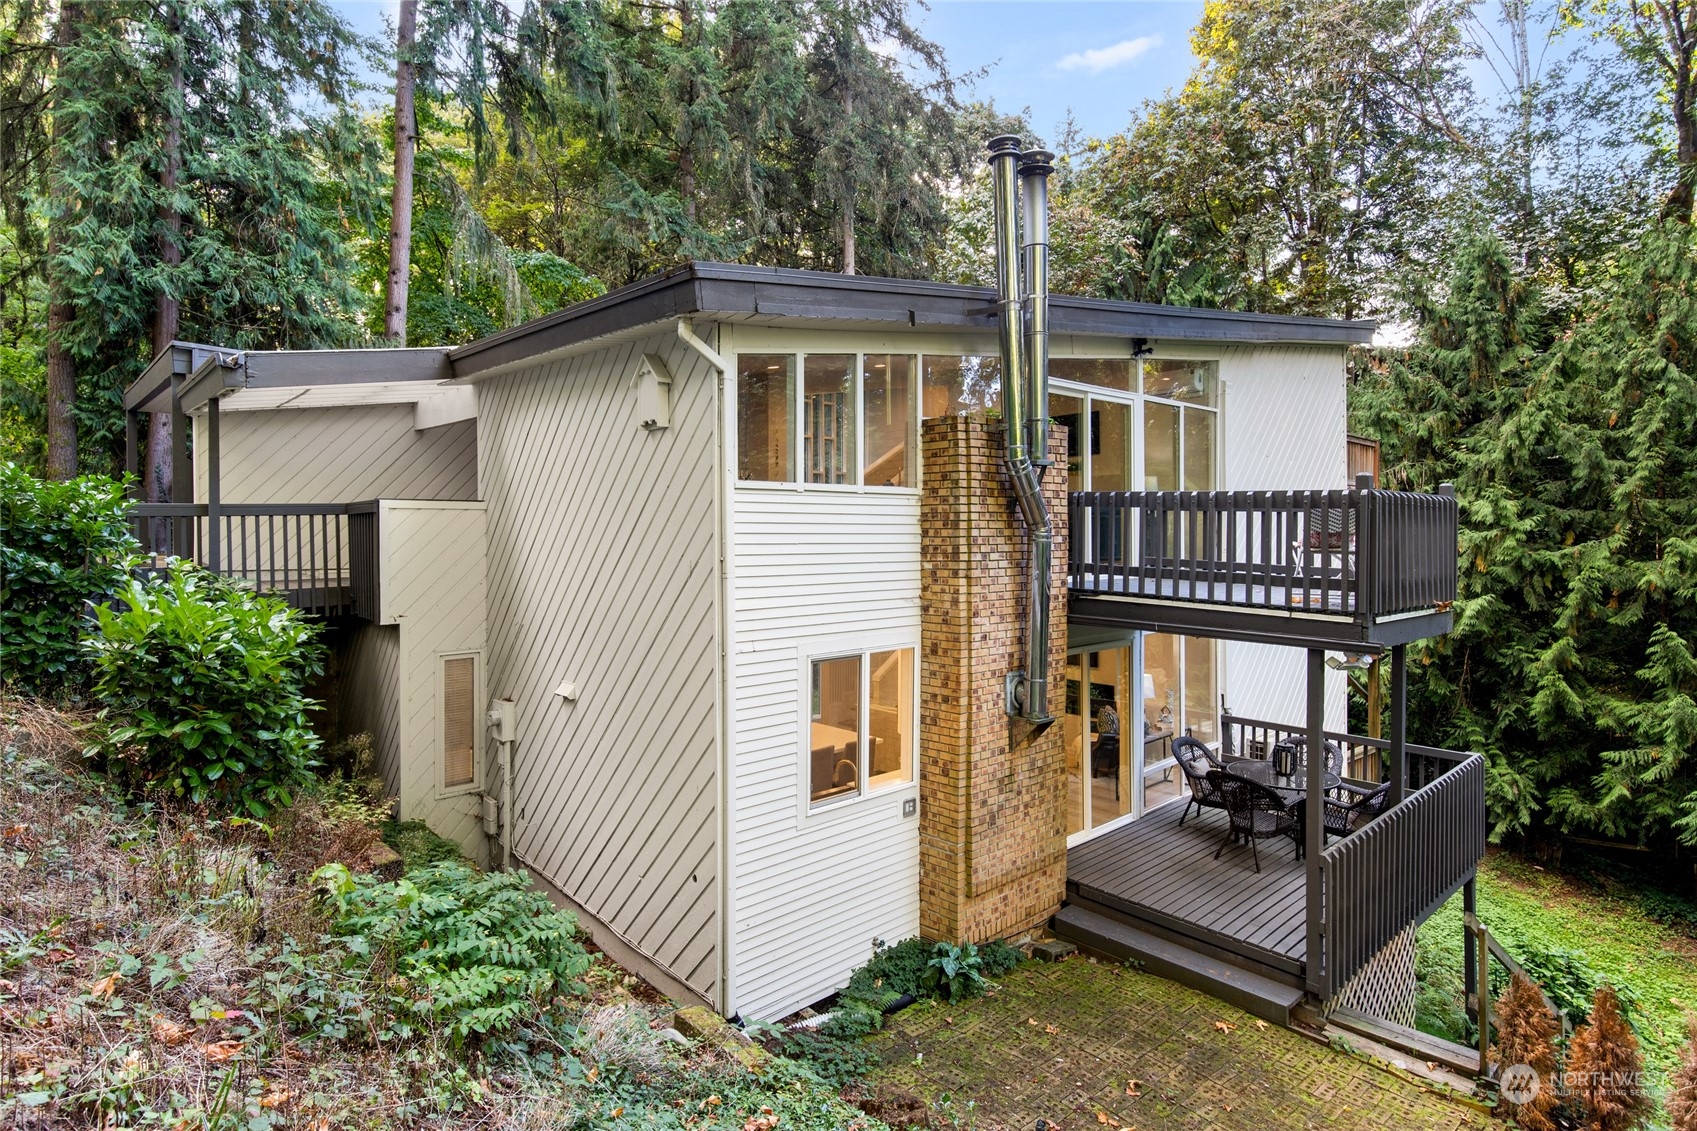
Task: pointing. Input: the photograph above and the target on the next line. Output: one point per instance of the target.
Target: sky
(1098, 59)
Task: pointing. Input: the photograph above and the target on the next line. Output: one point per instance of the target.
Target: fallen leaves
(1132, 1088)
(168, 1032)
(1224, 1026)
(1051, 1029)
(220, 1051)
(275, 1098)
(105, 986)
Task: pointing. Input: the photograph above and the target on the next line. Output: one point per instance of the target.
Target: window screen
(459, 726)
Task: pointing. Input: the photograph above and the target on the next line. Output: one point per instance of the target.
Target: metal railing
(1361, 553)
(1364, 758)
(320, 557)
(1396, 869)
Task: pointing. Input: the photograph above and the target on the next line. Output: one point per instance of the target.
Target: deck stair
(1099, 931)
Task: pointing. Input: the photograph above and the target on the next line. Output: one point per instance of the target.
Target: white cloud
(1100, 59)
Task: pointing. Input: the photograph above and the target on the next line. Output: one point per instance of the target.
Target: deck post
(212, 486)
(132, 455)
(1314, 829)
(1470, 957)
(1397, 771)
(182, 473)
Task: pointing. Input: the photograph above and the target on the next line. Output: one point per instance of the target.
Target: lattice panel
(1384, 988)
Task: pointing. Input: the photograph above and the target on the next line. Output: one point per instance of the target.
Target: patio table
(1293, 786)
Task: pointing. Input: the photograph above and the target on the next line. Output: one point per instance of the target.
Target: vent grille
(459, 735)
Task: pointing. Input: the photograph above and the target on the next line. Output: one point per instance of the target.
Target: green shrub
(1568, 979)
(471, 952)
(203, 685)
(62, 544)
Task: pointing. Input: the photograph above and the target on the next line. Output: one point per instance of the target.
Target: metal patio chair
(1198, 764)
(1352, 806)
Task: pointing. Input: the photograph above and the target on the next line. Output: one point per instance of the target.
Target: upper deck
(1362, 568)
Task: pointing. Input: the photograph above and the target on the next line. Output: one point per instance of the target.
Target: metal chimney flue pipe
(1034, 169)
(1027, 690)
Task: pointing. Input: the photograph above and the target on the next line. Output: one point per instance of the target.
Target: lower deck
(1160, 874)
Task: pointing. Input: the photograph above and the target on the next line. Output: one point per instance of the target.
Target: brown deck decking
(1153, 872)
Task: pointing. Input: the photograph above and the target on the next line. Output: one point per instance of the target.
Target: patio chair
(1298, 744)
(1199, 766)
(1254, 813)
(1344, 817)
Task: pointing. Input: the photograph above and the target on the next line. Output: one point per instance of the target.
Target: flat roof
(727, 292)
(735, 292)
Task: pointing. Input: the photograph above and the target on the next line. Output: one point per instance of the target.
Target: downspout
(1027, 690)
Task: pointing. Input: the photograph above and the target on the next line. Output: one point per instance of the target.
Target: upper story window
(844, 419)
(962, 385)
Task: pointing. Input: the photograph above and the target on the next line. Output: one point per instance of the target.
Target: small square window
(862, 729)
(962, 386)
(1196, 382)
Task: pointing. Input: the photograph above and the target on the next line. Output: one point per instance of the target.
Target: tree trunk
(686, 132)
(400, 202)
(61, 367)
(167, 311)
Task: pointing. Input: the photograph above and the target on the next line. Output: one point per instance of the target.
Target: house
(700, 601)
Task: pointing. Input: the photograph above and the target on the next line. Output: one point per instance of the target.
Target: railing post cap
(1364, 481)
(1447, 490)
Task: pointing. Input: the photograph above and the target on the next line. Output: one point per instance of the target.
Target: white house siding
(433, 569)
(815, 571)
(337, 455)
(1284, 423)
(603, 570)
(368, 695)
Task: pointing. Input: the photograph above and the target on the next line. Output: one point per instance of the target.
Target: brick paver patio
(1064, 1042)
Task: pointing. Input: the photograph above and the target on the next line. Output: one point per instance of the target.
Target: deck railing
(305, 552)
(1364, 758)
(1397, 869)
(1361, 553)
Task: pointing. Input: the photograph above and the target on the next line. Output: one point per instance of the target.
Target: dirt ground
(1085, 1044)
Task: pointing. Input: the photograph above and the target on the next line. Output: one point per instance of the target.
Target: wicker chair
(1352, 807)
(1254, 813)
(1199, 766)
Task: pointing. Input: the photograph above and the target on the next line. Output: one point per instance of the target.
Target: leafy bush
(62, 544)
(1568, 978)
(953, 971)
(469, 951)
(204, 690)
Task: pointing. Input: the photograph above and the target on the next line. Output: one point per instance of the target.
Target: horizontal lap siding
(1285, 424)
(603, 571)
(338, 455)
(812, 893)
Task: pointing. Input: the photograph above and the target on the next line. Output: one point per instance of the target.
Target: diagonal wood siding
(434, 568)
(369, 695)
(338, 455)
(603, 570)
(1283, 427)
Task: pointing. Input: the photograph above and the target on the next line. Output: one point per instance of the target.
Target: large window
(962, 386)
(842, 419)
(861, 723)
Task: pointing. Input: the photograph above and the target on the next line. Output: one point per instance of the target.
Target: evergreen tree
(1575, 460)
(181, 182)
(1526, 1035)
(1682, 1089)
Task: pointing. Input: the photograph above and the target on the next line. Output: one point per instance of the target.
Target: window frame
(865, 791)
(797, 438)
(479, 748)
